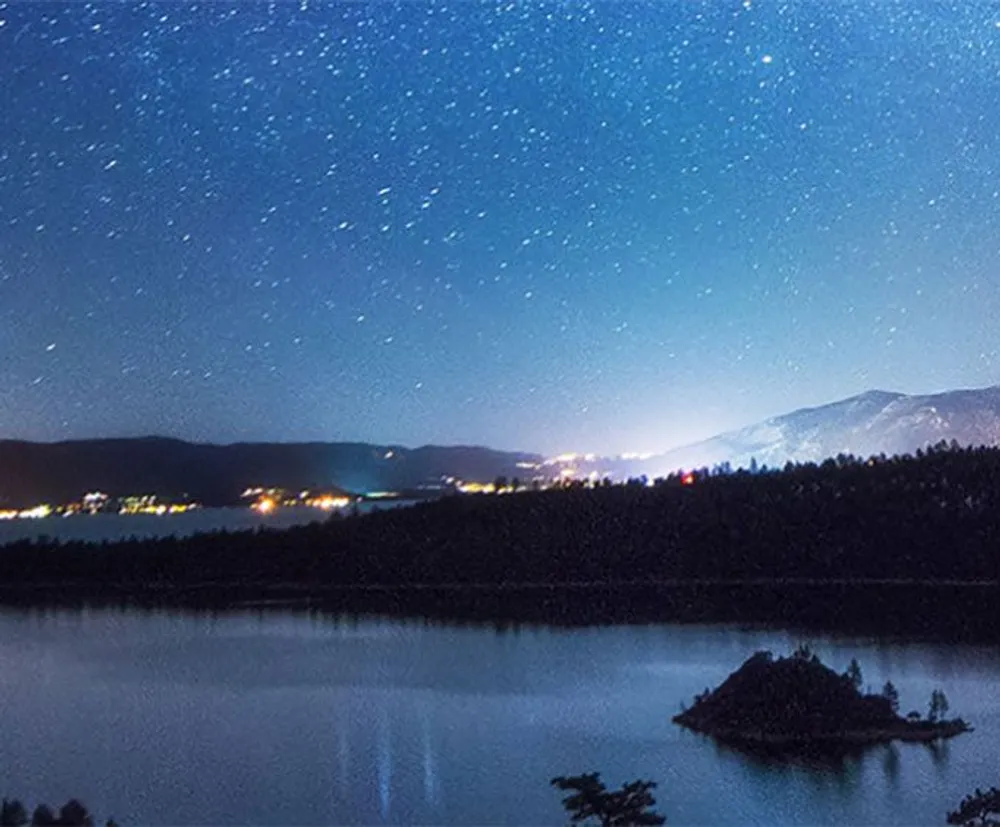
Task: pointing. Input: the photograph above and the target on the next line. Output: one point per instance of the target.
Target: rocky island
(797, 700)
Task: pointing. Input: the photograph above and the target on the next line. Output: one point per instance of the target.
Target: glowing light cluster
(568, 459)
(269, 500)
(149, 504)
(38, 512)
(329, 503)
(477, 487)
(265, 505)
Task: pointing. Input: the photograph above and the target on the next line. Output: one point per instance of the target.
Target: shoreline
(458, 586)
(919, 732)
(949, 611)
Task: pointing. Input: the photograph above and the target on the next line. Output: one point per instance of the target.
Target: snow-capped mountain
(872, 423)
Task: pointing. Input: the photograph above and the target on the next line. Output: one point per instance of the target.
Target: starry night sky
(565, 226)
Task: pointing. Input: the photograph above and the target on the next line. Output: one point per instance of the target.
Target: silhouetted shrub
(630, 806)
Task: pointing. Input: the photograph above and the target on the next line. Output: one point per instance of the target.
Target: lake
(277, 718)
(100, 527)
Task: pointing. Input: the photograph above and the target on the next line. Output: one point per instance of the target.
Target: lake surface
(284, 718)
(100, 527)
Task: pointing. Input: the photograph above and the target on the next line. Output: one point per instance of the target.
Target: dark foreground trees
(12, 813)
(981, 809)
(73, 813)
(589, 800)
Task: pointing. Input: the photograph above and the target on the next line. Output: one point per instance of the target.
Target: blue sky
(566, 226)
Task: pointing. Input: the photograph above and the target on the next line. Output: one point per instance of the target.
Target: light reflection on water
(277, 718)
(100, 527)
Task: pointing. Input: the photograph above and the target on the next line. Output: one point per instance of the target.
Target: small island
(798, 701)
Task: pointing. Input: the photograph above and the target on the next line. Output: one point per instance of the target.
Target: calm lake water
(284, 718)
(99, 527)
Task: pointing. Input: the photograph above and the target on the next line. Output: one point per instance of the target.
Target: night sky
(565, 226)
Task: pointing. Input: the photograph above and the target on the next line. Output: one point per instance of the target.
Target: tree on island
(981, 809)
(891, 694)
(805, 652)
(589, 798)
(938, 706)
(854, 674)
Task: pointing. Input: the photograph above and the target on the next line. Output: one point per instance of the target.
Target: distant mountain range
(872, 423)
(33, 472)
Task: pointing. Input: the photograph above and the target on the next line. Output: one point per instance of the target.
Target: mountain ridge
(32, 472)
(870, 423)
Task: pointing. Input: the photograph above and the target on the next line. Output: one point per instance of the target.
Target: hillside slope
(216, 474)
(875, 422)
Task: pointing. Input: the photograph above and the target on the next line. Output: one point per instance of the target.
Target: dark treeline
(930, 523)
(72, 814)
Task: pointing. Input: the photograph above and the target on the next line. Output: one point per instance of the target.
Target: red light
(688, 478)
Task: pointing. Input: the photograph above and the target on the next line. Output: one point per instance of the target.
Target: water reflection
(831, 761)
(377, 722)
(381, 747)
(343, 753)
(842, 765)
(940, 752)
(890, 764)
(384, 763)
(431, 790)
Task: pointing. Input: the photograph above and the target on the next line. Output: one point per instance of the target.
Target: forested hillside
(933, 516)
